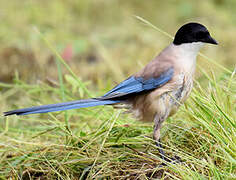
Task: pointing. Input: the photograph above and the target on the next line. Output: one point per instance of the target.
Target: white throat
(188, 50)
(186, 54)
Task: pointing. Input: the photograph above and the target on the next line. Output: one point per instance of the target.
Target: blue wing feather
(139, 84)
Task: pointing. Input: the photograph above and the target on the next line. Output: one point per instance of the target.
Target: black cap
(193, 32)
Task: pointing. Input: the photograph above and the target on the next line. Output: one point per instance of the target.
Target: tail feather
(62, 106)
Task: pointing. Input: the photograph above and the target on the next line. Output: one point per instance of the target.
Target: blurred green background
(101, 39)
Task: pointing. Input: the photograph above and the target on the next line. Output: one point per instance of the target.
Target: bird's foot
(166, 159)
(171, 160)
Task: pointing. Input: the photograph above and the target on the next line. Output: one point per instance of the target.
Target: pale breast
(180, 95)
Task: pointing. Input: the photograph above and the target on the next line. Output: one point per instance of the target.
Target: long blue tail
(61, 106)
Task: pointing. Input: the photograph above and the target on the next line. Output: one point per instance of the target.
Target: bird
(156, 91)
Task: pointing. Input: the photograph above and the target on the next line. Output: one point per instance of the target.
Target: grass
(102, 142)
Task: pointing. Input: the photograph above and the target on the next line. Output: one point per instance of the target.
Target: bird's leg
(161, 151)
(156, 137)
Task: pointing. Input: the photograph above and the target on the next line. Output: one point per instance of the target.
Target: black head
(193, 32)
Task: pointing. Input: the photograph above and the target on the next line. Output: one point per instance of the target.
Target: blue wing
(135, 85)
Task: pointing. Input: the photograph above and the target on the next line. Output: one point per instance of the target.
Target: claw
(172, 160)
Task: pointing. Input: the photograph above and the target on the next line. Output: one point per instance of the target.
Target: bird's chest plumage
(185, 67)
(179, 95)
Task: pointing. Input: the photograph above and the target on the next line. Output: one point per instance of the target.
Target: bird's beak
(211, 40)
